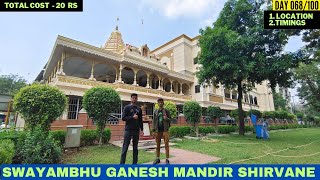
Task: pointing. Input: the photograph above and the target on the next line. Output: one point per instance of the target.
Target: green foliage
(6, 151)
(311, 38)
(237, 52)
(255, 112)
(18, 138)
(90, 137)
(171, 107)
(99, 102)
(226, 129)
(179, 131)
(59, 136)
(192, 112)
(19, 142)
(292, 117)
(206, 129)
(215, 112)
(269, 114)
(40, 149)
(40, 105)
(300, 115)
(106, 136)
(11, 84)
(279, 101)
(248, 128)
(282, 114)
(235, 113)
(308, 77)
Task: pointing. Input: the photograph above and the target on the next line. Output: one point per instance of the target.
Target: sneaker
(167, 161)
(157, 161)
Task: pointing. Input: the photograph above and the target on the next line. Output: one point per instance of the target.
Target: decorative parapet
(119, 87)
(215, 98)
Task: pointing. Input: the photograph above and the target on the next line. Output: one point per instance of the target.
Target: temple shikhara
(167, 71)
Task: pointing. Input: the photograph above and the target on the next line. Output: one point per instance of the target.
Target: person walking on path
(160, 125)
(132, 115)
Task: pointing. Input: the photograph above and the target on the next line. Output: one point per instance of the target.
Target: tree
(238, 52)
(192, 111)
(40, 105)
(99, 102)
(11, 84)
(171, 107)
(279, 101)
(311, 37)
(215, 112)
(308, 75)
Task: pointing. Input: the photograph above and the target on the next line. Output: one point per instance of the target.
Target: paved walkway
(187, 157)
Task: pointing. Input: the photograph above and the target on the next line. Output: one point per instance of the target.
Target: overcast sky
(27, 38)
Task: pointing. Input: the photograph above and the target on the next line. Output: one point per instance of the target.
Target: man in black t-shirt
(132, 115)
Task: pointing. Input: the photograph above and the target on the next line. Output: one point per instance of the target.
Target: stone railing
(119, 87)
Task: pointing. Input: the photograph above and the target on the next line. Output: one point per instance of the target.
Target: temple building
(167, 71)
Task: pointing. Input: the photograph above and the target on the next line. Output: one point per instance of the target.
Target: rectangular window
(197, 89)
(75, 105)
(234, 96)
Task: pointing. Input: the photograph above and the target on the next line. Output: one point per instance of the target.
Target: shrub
(283, 114)
(88, 137)
(226, 129)
(10, 134)
(40, 149)
(215, 112)
(18, 147)
(235, 113)
(179, 131)
(206, 129)
(268, 114)
(106, 136)
(256, 112)
(17, 138)
(40, 105)
(6, 151)
(59, 136)
(99, 102)
(248, 128)
(192, 111)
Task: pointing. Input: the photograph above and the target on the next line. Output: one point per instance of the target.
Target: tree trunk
(241, 118)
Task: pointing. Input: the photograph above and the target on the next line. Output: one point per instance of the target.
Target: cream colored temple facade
(167, 72)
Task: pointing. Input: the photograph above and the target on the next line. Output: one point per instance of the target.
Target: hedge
(179, 131)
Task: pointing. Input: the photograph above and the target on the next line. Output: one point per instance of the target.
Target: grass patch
(297, 144)
(107, 154)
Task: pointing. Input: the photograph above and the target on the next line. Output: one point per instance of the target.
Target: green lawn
(107, 154)
(295, 146)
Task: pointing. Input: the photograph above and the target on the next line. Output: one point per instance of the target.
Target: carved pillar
(181, 89)
(148, 76)
(92, 72)
(135, 77)
(55, 72)
(120, 72)
(63, 56)
(171, 89)
(159, 87)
